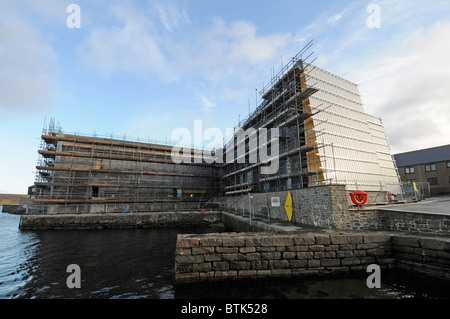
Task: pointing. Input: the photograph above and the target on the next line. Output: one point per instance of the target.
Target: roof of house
(429, 155)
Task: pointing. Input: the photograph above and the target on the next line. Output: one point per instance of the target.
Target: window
(430, 167)
(432, 181)
(448, 164)
(409, 170)
(95, 191)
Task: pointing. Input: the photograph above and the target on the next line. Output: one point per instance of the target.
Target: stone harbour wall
(239, 255)
(392, 220)
(429, 256)
(119, 220)
(315, 206)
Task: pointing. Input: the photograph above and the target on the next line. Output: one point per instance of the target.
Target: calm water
(140, 264)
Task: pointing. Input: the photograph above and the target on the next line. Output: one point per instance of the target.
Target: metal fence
(251, 211)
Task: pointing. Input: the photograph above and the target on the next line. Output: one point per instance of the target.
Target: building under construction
(323, 137)
(92, 174)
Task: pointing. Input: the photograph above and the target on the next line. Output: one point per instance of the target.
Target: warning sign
(288, 206)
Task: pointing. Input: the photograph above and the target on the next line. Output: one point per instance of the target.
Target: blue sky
(143, 68)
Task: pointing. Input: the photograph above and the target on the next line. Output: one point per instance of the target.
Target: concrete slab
(433, 205)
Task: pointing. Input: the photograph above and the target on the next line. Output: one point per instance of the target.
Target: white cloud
(133, 46)
(408, 89)
(171, 17)
(207, 104)
(138, 42)
(28, 66)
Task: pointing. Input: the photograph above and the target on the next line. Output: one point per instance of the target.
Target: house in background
(431, 165)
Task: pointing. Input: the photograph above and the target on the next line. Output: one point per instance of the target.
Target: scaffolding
(285, 106)
(325, 136)
(85, 174)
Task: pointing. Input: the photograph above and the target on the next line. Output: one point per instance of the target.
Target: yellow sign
(288, 206)
(415, 186)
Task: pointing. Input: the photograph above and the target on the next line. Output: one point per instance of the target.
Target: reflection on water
(139, 263)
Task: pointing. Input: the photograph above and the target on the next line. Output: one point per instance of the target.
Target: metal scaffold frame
(81, 174)
(285, 106)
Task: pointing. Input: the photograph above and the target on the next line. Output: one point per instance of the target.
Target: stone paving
(433, 205)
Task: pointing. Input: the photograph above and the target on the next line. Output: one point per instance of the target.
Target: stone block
(322, 239)
(210, 242)
(225, 274)
(277, 241)
(344, 254)
(252, 241)
(271, 255)
(261, 249)
(260, 264)
(289, 255)
(316, 248)
(304, 240)
(226, 250)
(184, 251)
(240, 265)
(376, 238)
(253, 256)
(384, 260)
(410, 257)
(183, 268)
(367, 246)
(297, 248)
(350, 261)
(203, 267)
(368, 260)
(198, 251)
(355, 239)
(407, 249)
(264, 273)
(234, 256)
(233, 242)
(221, 265)
(376, 252)
(187, 276)
(305, 255)
(211, 257)
(190, 259)
(294, 263)
(405, 241)
(247, 273)
(359, 253)
(278, 264)
(187, 242)
(442, 254)
(313, 263)
(326, 262)
(339, 239)
(434, 244)
(207, 275)
(247, 250)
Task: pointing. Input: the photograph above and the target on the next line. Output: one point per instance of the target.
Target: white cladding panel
(353, 146)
